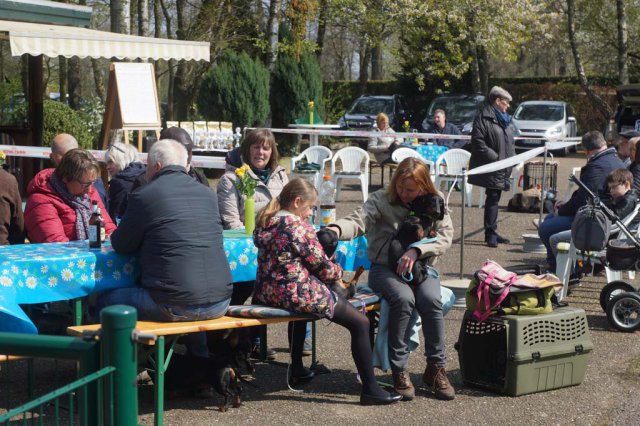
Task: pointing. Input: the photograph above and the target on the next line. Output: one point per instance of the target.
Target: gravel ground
(605, 397)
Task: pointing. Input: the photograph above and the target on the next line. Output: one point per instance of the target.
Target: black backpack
(590, 229)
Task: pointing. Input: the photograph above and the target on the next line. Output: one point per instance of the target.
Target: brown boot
(435, 378)
(403, 386)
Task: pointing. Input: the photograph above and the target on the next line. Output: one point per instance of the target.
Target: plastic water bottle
(236, 137)
(327, 202)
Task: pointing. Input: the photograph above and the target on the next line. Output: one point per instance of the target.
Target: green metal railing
(105, 393)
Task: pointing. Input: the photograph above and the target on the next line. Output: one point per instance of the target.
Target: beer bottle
(96, 228)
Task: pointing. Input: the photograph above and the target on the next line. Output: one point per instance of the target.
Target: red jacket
(48, 219)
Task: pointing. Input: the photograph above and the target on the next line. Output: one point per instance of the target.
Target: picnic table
(38, 273)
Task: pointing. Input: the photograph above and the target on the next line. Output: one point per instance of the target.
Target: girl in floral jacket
(294, 274)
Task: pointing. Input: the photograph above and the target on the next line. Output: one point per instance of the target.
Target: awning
(57, 40)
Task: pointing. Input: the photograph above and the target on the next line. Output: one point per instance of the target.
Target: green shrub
(293, 85)
(235, 89)
(60, 118)
(91, 112)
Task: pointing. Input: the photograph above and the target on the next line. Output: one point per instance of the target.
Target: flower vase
(249, 215)
(310, 117)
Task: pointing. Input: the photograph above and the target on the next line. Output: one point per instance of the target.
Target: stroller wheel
(623, 312)
(613, 289)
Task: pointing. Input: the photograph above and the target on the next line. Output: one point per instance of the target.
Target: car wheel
(560, 152)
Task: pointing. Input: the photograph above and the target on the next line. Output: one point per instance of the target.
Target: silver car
(539, 121)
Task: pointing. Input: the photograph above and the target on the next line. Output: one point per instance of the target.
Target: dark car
(627, 115)
(362, 114)
(459, 109)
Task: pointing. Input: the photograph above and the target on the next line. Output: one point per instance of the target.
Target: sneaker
(270, 354)
(403, 386)
(435, 378)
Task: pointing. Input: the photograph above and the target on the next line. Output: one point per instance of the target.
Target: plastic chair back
(455, 160)
(402, 153)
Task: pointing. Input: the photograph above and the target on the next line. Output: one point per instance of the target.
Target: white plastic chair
(351, 159)
(315, 154)
(401, 153)
(516, 174)
(449, 167)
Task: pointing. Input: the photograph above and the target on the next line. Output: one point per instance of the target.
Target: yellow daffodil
(312, 105)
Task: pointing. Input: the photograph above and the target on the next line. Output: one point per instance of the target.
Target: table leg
(77, 311)
(159, 382)
(313, 140)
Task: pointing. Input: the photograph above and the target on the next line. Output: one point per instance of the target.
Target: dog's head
(428, 205)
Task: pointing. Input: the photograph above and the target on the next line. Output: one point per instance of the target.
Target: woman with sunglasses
(59, 204)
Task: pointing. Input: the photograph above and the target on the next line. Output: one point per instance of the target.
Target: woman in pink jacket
(59, 204)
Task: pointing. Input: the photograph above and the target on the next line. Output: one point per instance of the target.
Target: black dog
(222, 370)
(426, 210)
(329, 242)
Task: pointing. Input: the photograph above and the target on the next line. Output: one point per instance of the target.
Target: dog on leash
(426, 210)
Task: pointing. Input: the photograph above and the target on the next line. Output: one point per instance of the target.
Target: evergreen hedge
(60, 118)
(235, 89)
(293, 85)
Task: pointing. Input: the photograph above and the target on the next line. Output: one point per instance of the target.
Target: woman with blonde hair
(294, 273)
(123, 167)
(383, 144)
(380, 218)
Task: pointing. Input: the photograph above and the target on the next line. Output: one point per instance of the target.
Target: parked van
(627, 115)
(539, 121)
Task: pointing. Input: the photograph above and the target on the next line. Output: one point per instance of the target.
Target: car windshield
(456, 110)
(540, 113)
(372, 106)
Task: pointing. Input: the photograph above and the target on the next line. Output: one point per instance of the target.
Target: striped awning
(57, 40)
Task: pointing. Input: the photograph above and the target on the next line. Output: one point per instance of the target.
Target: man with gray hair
(600, 162)
(492, 141)
(173, 224)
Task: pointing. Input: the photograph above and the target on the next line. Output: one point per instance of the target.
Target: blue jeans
(552, 225)
(149, 310)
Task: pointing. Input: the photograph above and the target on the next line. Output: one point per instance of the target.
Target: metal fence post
(119, 351)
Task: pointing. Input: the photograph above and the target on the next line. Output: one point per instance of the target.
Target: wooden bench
(154, 333)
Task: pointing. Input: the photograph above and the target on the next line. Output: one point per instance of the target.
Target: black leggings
(358, 325)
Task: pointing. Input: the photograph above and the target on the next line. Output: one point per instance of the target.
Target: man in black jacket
(600, 162)
(174, 226)
(491, 141)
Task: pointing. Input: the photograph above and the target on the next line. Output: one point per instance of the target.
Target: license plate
(531, 142)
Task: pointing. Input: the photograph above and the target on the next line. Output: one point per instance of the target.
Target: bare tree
(596, 100)
(322, 27)
(272, 33)
(143, 17)
(623, 70)
(120, 12)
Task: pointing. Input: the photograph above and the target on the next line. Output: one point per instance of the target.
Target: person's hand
(558, 204)
(406, 261)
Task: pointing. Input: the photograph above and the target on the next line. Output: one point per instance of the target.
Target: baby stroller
(619, 299)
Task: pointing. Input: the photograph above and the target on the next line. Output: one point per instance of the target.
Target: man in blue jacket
(600, 162)
(441, 127)
(173, 224)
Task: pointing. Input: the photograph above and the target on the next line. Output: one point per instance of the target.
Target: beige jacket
(380, 220)
(231, 203)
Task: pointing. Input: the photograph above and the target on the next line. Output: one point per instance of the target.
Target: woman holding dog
(294, 273)
(380, 218)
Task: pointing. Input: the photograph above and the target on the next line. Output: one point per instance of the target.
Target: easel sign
(132, 101)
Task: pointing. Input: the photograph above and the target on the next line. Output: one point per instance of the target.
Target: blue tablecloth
(37, 273)
(428, 151)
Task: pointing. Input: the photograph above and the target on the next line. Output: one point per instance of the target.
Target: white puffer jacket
(231, 203)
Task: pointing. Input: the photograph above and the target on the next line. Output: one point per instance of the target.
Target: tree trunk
(180, 95)
(322, 28)
(120, 16)
(171, 64)
(623, 69)
(483, 68)
(376, 63)
(157, 32)
(74, 82)
(62, 77)
(98, 79)
(596, 101)
(143, 17)
(365, 61)
(272, 29)
(475, 69)
(133, 12)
